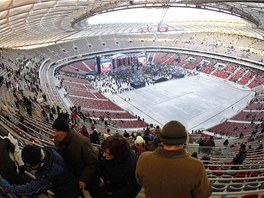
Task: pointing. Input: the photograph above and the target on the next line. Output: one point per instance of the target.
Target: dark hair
(126, 134)
(195, 155)
(116, 144)
(205, 158)
(242, 147)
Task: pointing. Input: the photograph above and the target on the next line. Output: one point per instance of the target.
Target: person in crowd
(21, 123)
(206, 160)
(157, 131)
(84, 131)
(153, 144)
(241, 135)
(107, 133)
(117, 165)
(51, 117)
(260, 147)
(94, 137)
(74, 117)
(195, 155)
(79, 155)
(126, 134)
(240, 157)
(169, 171)
(206, 146)
(139, 146)
(210, 144)
(11, 163)
(51, 173)
(129, 138)
(226, 142)
(44, 114)
(147, 135)
(201, 144)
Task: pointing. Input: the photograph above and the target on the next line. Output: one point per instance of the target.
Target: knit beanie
(61, 124)
(174, 133)
(242, 147)
(31, 154)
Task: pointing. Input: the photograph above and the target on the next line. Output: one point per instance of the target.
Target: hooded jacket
(53, 174)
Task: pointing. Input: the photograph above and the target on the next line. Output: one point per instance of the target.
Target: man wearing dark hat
(169, 171)
(240, 157)
(78, 154)
(51, 173)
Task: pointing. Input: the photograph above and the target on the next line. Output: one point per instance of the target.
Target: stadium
(131, 66)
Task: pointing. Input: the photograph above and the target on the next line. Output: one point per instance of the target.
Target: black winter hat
(61, 124)
(174, 133)
(242, 147)
(31, 154)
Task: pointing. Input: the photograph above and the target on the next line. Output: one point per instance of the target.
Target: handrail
(243, 192)
(9, 126)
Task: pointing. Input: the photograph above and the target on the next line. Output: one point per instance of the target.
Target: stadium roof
(31, 22)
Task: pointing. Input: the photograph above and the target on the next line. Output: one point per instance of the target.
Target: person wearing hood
(51, 173)
(117, 165)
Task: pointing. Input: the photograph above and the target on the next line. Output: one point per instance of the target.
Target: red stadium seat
(250, 196)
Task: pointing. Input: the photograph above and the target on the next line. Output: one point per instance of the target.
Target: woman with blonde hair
(139, 146)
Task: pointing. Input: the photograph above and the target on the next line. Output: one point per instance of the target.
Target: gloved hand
(6, 186)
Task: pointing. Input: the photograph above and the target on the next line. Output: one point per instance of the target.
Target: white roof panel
(17, 3)
(5, 4)
(26, 22)
(3, 14)
(20, 10)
